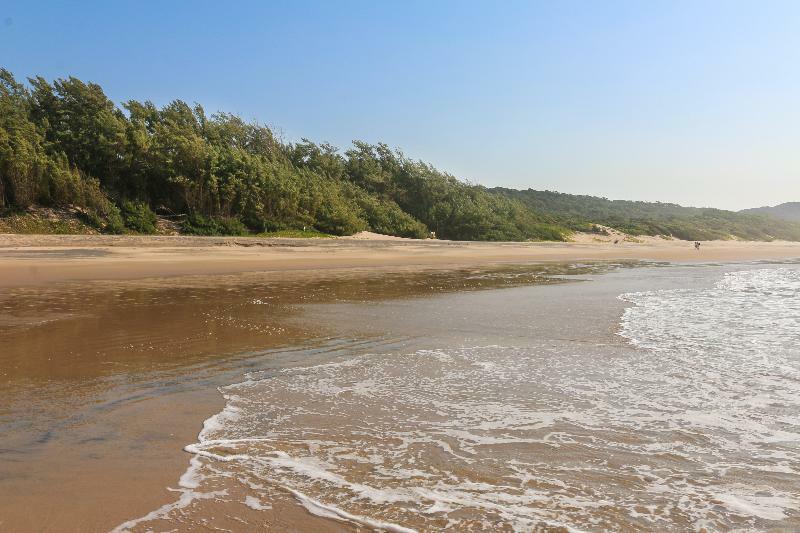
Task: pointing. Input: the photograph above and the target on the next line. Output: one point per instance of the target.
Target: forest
(786, 211)
(65, 143)
(583, 213)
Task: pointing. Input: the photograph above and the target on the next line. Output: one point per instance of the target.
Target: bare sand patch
(43, 259)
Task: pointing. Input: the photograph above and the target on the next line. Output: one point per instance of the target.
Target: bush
(337, 217)
(199, 225)
(296, 234)
(546, 232)
(387, 218)
(108, 221)
(139, 218)
(259, 224)
(113, 222)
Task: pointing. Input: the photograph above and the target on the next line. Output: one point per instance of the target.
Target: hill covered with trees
(581, 213)
(787, 211)
(65, 143)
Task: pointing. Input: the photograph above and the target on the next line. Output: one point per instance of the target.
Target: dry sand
(43, 259)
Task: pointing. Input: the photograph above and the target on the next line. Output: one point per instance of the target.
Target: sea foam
(694, 426)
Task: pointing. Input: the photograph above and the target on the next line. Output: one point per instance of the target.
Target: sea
(654, 398)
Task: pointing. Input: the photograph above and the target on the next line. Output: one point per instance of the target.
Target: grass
(32, 224)
(47, 221)
(295, 234)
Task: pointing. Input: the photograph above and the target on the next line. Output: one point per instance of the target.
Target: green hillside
(787, 211)
(579, 213)
(64, 145)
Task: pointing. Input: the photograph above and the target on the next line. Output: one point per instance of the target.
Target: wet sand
(105, 382)
(43, 259)
(111, 349)
(479, 409)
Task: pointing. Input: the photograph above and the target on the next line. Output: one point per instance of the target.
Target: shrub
(138, 217)
(199, 225)
(386, 217)
(337, 217)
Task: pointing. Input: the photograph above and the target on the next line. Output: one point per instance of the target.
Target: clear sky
(695, 102)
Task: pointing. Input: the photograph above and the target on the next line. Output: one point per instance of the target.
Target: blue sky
(691, 102)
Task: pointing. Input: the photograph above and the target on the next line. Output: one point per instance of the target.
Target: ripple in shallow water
(699, 427)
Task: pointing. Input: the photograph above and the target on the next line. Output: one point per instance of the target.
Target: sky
(694, 102)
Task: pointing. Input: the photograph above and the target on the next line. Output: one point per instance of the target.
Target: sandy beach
(106, 381)
(399, 267)
(114, 347)
(43, 259)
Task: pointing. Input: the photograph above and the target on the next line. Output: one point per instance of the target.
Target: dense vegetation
(581, 213)
(66, 145)
(786, 211)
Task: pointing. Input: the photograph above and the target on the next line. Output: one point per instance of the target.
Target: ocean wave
(697, 427)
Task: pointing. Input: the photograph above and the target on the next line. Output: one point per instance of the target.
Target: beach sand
(43, 259)
(113, 347)
(105, 382)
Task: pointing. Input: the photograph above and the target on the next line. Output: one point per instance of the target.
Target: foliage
(295, 234)
(44, 221)
(139, 218)
(33, 170)
(201, 225)
(581, 213)
(65, 144)
(787, 211)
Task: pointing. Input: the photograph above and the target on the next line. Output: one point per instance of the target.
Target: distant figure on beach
(697, 245)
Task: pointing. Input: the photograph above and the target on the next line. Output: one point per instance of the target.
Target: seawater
(691, 422)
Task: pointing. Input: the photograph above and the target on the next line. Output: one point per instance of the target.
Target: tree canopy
(66, 143)
(580, 213)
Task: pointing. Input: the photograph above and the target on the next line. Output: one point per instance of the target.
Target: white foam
(254, 503)
(696, 427)
(769, 507)
(329, 511)
(189, 480)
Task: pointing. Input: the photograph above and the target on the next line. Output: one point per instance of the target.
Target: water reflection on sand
(103, 382)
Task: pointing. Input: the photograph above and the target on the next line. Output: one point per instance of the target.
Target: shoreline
(599, 320)
(79, 260)
(27, 260)
(111, 380)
